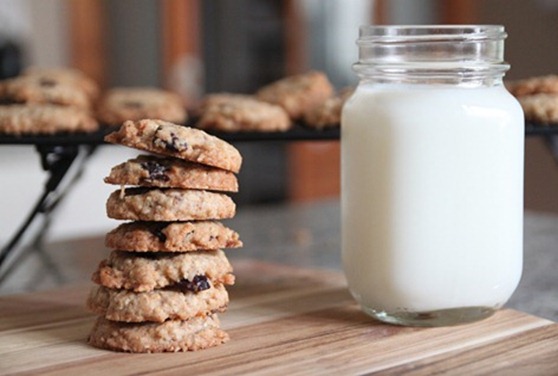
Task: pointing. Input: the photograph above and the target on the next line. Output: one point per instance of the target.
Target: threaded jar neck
(454, 54)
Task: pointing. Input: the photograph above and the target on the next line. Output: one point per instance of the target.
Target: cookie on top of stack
(163, 284)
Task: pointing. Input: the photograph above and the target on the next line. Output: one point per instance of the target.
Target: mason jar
(432, 151)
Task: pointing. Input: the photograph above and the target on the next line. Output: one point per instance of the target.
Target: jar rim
(418, 33)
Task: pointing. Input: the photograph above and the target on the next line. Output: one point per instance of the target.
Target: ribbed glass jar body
(432, 176)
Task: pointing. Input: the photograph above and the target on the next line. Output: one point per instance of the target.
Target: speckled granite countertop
(305, 235)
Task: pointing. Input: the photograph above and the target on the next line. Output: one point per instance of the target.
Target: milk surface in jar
(432, 177)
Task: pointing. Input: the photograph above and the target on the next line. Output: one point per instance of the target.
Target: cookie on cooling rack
(67, 76)
(36, 89)
(44, 119)
(328, 113)
(534, 85)
(540, 108)
(121, 104)
(297, 94)
(241, 113)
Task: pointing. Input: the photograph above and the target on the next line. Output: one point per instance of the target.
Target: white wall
(41, 27)
(82, 212)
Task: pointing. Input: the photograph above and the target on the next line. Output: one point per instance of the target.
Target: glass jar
(432, 175)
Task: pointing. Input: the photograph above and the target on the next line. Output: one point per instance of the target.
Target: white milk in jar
(432, 176)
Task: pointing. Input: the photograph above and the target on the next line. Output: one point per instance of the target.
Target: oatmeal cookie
(161, 137)
(171, 237)
(297, 94)
(44, 119)
(121, 104)
(242, 113)
(170, 336)
(35, 89)
(67, 76)
(174, 303)
(534, 85)
(541, 108)
(152, 171)
(144, 204)
(142, 272)
(328, 113)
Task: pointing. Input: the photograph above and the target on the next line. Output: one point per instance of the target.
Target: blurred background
(195, 47)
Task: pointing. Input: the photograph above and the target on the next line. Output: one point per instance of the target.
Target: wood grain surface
(282, 321)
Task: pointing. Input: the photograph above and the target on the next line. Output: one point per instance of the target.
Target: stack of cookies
(162, 285)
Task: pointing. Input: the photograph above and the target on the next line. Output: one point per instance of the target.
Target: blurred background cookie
(534, 85)
(241, 113)
(44, 119)
(328, 113)
(542, 108)
(37, 89)
(121, 104)
(296, 94)
(67, 76)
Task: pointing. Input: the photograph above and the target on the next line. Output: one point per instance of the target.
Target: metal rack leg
(57, 160)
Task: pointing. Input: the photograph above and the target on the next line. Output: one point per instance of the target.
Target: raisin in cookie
(161, 137)
(297, 94)
(171, 237)
(328, 113)
(534, 85)
(41, 90)
(176, 303)
(170, 336)
(152, 171)
(242, 113)
(144, 204)
(148, 271)
(121, 104)
(44, 119)
(541, 108)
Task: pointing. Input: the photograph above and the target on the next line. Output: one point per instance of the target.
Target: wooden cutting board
(282, 321)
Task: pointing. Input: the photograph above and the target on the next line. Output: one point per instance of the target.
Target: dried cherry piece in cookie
(157, 171)
(157, 230)
(164, 138)
(151, 171)
(197, 284)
